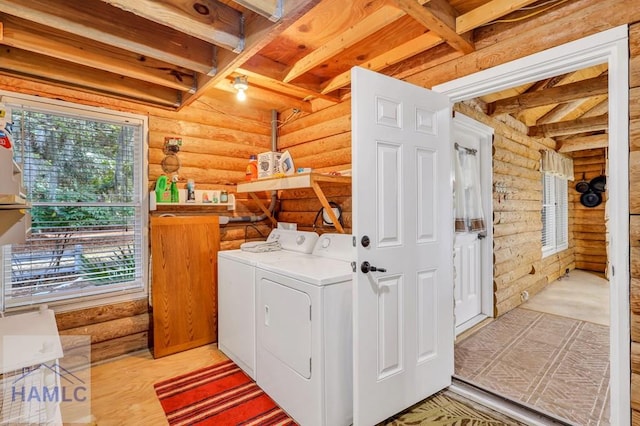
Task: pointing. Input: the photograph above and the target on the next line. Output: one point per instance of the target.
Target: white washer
(304, 333)
(236, 293)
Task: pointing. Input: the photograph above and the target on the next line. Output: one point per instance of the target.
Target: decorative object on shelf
(171, 163)
(224, 196)
(241, 84)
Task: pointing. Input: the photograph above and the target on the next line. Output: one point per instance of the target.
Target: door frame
(612, 47)
(485, 134)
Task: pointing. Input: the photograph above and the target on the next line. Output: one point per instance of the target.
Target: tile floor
(546, 354)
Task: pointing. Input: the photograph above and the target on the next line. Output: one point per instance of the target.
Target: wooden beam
(369, 25)
(440, 17)
(115, 27)
(572, 110)
(487, 13)
(406, 50)
(208, 20)
(580, 125)
(259, 33)
(284, 88)
(267, 96)
(69, 47)
(584, 142)
(270, 9)
(601, 108)
(553, 95)
(29, 65)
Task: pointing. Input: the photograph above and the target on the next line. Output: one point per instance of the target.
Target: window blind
(555, 206)
(82, 173)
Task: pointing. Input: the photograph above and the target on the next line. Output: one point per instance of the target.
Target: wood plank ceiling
(296, 54)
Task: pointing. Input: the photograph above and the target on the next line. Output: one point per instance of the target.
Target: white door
(402, 223)
(473, 261)
(468, 278)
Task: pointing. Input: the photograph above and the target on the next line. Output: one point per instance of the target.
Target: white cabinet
(29, 349)
(15, 222)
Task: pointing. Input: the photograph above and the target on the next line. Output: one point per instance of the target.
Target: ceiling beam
(20, 63)
(582, 143)
(369, 25)
(571, 110)
(109, 25)
(69, 47)
(259, 33)
(207, 20)
(260, 94)
(393, 56)
(553, 95)
(580, 125)
(488, 12)
(601, 108)
(284, 88)
(440, 17)
(270, 9)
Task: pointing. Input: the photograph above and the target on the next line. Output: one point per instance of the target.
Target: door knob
(367, 267)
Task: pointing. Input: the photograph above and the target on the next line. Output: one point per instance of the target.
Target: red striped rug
(221, 394)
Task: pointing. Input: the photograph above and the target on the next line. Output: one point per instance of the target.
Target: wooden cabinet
(184, 252)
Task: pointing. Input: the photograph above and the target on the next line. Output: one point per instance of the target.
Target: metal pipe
(274, 194)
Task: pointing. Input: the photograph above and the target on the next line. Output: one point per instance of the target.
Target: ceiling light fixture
(241, 85)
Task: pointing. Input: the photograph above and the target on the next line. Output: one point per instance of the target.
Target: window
(555, 228)
(84, 176)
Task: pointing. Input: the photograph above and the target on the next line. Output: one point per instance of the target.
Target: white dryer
(236, 293)
(304, 332)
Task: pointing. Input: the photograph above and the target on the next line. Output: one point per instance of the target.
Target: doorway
(473, 251)
(610, 47)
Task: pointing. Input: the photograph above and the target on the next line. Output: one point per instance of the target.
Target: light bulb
(241, 95)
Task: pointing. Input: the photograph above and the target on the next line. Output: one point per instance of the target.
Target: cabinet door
(184, 292)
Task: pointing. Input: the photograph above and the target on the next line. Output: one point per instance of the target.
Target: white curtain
(468, 198)
(557, 164)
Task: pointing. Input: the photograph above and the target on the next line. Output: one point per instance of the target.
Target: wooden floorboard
(122, 389)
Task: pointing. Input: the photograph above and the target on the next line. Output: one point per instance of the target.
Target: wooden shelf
(302, 180)
(12, 201)
(154, 205)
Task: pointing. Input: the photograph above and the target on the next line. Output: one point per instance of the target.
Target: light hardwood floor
(122, 389)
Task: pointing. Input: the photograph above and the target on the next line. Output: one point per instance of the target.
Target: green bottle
(161, 187)
(175, 195)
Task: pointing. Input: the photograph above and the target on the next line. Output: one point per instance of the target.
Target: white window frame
(113, 295)
(558, 207)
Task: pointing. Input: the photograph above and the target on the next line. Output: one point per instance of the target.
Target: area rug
(221, 394)
(556, 364)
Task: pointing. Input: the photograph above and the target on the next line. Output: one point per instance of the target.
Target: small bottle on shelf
(175, 195)
(191, 191)
(224, 196)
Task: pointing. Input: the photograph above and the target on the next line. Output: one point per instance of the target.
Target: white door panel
(474, 256)
(402, 194)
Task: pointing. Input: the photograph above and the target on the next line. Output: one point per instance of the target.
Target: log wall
(588, 223)
(217, 139)
(322, 141)
(517, 220)
(634, 210)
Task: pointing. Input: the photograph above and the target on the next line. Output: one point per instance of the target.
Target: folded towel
(260, 246)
